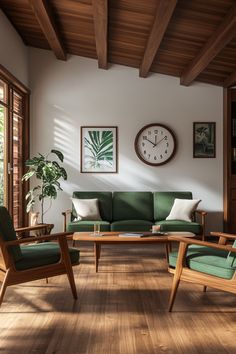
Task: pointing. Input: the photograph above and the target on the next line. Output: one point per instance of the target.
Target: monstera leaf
(100, 148)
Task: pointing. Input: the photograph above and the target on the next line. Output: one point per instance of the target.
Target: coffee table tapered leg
(96, 252)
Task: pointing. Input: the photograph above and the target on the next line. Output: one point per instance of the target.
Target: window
(14, 144)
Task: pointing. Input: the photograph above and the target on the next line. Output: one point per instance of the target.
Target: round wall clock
(155, 144)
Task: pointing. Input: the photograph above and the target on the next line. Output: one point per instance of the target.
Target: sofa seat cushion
(87, 225)
(132, 206)
(131, 225)
(42, 254)
(179, 225)
(205, 260)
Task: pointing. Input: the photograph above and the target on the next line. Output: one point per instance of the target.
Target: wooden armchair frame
(44, 229)
(182, 272)
(9, 275)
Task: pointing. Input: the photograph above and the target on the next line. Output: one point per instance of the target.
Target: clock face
(155, 144)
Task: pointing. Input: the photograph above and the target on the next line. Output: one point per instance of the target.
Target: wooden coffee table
(112, 237)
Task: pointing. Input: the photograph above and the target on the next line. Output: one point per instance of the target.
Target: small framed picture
(99, 150)
(204, 139)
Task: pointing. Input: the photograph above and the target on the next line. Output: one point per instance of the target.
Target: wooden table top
(113, 237)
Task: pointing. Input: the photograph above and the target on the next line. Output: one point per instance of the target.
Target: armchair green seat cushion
(8, 232)
(179, 225)
(87, 225)
(133, 225)
(206, 260)
(42, 254)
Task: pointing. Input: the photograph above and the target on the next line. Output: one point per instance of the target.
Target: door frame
(13, 84)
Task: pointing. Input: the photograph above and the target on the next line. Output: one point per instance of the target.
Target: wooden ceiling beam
(164, 12)
(230, 80)
(220, 38)
(47, 23)
(100, 16)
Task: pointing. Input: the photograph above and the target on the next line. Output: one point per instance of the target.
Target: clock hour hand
(159, 142)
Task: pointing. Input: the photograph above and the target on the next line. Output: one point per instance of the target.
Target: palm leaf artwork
(99, 149)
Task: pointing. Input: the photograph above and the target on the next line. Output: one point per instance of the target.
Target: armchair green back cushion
(8, 233)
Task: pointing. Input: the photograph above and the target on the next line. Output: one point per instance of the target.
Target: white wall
(66, 95)
(13, 52)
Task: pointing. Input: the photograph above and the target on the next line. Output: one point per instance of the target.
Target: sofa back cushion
(104, 202)
(132, 206)
(163, 202)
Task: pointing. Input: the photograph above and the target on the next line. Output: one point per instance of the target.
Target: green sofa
(134, 211)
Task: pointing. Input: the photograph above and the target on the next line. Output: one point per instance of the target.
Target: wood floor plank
(122, 309)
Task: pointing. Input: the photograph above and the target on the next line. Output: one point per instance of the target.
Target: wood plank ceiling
(190, 39)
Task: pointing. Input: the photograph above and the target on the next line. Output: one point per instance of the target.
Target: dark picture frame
(204, 139)
(99, 149)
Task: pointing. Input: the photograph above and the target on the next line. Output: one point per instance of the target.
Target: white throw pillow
(182, 209)
(86, 209)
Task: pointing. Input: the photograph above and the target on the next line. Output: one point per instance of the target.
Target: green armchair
(205, 263)
(22, 262)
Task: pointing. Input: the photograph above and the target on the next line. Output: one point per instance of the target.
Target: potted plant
(48, 172)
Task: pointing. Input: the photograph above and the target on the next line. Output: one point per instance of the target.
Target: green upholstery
(105, 202)
(132, 206)
(179, 225)
(131, 225)
(231, 258)
(206, 260)
(42, 254)
(77, 226)
(134, 211)
(8, 233)
(163, 202)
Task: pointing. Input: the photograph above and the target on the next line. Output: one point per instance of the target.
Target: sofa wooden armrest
(65, 214)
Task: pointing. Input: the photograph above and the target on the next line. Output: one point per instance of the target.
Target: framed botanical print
(99, 150)
(204, 139)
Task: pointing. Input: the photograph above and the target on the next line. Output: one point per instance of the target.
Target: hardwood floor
(122, 309)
